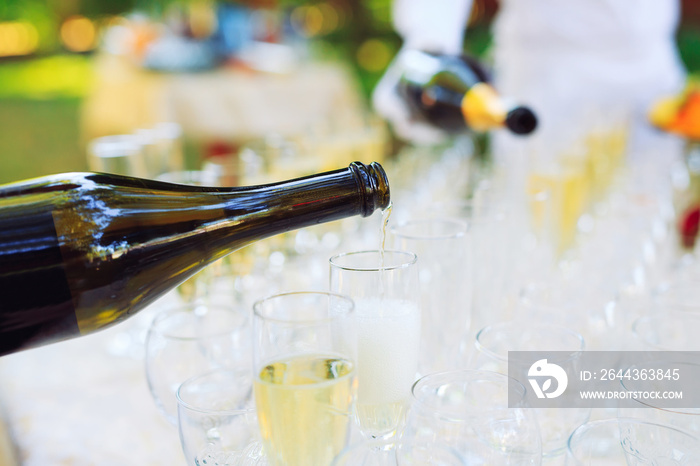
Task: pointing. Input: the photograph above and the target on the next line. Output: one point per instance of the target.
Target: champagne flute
(442, 244)
(304, 375)
(384, 287)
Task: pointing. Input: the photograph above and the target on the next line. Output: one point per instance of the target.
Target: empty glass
(491, 242)
(182, 343)
(444, 262)
(492, 347)
(469, 412)
(169, 135)
(273, 158)
(217, 420)
(633, 442)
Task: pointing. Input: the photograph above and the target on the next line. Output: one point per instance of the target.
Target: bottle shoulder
(425, 69)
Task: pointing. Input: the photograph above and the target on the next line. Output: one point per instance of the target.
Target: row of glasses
(456, 418)
(292, 406)
(410, 440)
(303, 342)
(144, 153)
(552, 431)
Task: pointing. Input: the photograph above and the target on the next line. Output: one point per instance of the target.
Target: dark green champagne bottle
(82, 251)
(452, 93)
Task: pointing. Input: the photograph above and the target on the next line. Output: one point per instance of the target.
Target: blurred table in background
(230, 104)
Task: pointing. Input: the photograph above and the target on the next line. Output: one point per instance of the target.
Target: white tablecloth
(75, 404)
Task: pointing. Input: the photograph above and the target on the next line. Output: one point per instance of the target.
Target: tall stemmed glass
(442, 245)
(304, 381)
(384, 287)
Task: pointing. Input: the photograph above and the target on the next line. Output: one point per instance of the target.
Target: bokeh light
(374, 55)
(330, 17)
(202, 19)
(317, 20)
(78, 34)
(18, 38)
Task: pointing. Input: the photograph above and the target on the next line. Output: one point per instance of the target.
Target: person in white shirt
(575, 63)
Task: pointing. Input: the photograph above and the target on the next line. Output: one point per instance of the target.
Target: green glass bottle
(82, 251)
(453, 94)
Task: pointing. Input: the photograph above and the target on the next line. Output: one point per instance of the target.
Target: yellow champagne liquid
(303, 405)
(568, 193)
(606, 154)
(598, 164)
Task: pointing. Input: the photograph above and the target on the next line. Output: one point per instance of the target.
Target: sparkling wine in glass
(384, 287)
(304, 384)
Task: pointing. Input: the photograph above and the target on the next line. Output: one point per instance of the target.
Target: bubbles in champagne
(388, 335)
(388, 332)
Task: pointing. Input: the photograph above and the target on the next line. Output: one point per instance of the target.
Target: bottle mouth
(374, 185)
(521, 120)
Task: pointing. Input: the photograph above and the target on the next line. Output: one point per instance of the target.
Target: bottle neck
(263, 211)
(357, 190)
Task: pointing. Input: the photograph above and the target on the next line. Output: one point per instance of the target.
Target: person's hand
(391, 105)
